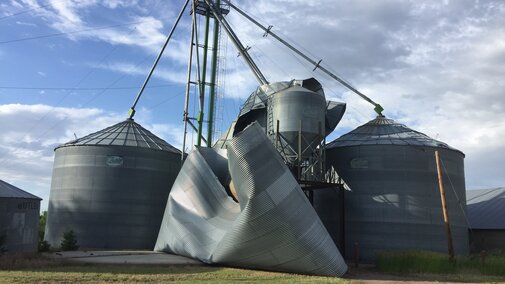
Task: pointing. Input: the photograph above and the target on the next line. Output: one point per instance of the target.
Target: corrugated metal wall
(395, 201)
(329, 206)
(19, 223)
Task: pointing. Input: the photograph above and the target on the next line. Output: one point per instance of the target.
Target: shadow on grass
(38, 263)
(31, 269)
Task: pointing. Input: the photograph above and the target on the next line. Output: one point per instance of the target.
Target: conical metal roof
(7, 190)
(383, 131)
(127, 133)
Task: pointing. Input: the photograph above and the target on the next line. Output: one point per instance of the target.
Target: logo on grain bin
(27, 205)
(114, 161)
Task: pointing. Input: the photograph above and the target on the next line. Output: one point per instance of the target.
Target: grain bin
(299, 110)
(111, 188)
(394, 202)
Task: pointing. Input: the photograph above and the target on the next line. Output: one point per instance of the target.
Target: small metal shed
(486, 215)
(19, 218)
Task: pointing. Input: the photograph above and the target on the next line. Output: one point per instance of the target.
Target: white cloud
(146, 31)
(26, 24)
(437, 67)
(31, 132)
(113, 4)
(132, 69)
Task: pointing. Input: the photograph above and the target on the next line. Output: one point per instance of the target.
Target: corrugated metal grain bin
(329, 206)
(394, 202)
(111, 188)
(19, 218)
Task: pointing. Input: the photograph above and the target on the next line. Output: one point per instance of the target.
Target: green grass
(37, 269)
(407, 266)
(438, 263)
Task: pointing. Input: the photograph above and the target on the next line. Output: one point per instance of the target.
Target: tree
(43, 245)
(69, 241)
(42, 225)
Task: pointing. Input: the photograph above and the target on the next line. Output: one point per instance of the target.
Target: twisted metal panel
(273, 227)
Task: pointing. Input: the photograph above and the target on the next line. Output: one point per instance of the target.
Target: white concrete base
(124, 257)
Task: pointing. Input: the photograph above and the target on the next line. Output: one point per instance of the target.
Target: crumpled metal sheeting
(277, 229)
(198, 212)
(274, 227)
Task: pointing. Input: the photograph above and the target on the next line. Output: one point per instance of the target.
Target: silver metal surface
(486, 208)
(19, 218)
(299, 109)
(317, 65)
(289, 103)
(7, 190)
(112, 196)
(272, 227)
(329, 206)
(126, 133)
(334, 113)
(394, 202)
(383, 131)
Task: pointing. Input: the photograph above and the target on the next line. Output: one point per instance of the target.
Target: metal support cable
(186, 96)
(132, 109)
(317, 64)
(456, 194)
(195, 31)
(233, 37)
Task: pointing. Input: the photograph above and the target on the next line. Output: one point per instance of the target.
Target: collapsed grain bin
(111, 187)
(394, 202)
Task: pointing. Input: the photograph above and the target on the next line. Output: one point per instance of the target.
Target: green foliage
(69, 241)
(438, 263)
(57, 271)
(44, 246)
(42, 225)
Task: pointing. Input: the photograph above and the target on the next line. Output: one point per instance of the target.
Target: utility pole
(444, 207)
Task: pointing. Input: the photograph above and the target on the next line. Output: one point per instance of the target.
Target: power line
(26, 11)
(84, 88)
(76, 86)
(73, 32)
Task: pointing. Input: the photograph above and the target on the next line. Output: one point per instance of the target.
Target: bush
(44, 246)
(42, 225)
(439, 263)
(69, 241)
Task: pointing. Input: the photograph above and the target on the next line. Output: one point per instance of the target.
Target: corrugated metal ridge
(8, 190)
(126, 133)
(119, 132)
(486, 207)
(482, 194)
(149, 136)
(384, 131)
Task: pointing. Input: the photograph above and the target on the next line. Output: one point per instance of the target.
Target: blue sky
(436, 66)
